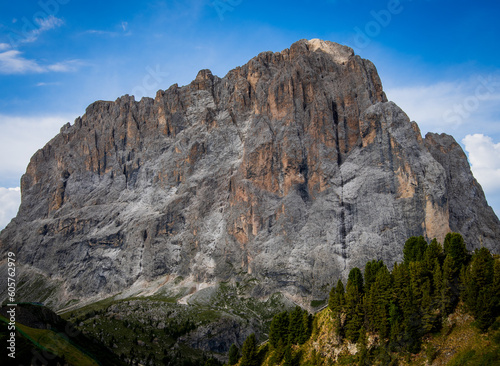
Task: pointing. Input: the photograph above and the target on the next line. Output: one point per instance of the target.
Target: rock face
(291, 170)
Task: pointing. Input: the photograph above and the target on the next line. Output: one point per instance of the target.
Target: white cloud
(65, 66)
(446, 106)
(10, 198)
(48, 23)
(11, 62)
(48, 84)
(100, 32)
(484, 157)
(4, 46)
(123, 26)
(42, 25)
(21, 137)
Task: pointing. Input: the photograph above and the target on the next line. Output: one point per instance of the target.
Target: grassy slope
(54, 338)
(57, 344)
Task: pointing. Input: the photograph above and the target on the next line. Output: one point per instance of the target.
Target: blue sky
(438, 60)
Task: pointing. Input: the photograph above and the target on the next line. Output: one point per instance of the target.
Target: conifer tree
(362, 347)
(377, 301)
(249, 352)
(396, 333)
(478, 289)
(418, 276)
(414, 249)
(429, 317)
(233, 354)
(478, 275)
(341, 296)
(437, 281)
(354, 304)
(337, 305)
(279, 329)
(295, 326)
(454, 246)
(434, 251)
(371, 269)
(356, 279)
(306, 330)
(287, 358)
(447, 298)
(495, 288)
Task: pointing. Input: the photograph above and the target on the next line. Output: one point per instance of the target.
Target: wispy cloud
(12, 62)
(122, 30)
(31, 31)
(484, 157)
(44, 25)
(100, 32)
(48, 23)
(66, 66)
(446, 106)
(48, 84)
(10, 198)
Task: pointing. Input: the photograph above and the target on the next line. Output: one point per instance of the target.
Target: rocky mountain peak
(340, 54)
(285, 173)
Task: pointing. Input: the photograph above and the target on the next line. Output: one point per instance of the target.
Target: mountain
(282, 175)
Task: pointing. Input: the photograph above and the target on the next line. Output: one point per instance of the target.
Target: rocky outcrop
(290, 170)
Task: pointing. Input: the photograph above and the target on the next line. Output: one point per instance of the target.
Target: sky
(438, 60)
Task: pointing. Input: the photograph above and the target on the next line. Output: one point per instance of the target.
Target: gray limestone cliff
(288, 171)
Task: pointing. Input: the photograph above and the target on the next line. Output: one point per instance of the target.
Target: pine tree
(414, 249)
(233, 354)
(377, 302)
(454, 246)
(433, 252)
(287, 358)
(383, 285)
(484, 309)
(354, 305)
(418, 274)
(341, 296)
(249, 352)
(370, 307)
(478, 287)
(396, 333)
(337, 305)
(437, 279)
(362, 347)
(279, 352)
(356, 279)
(295, 326)
(429, 317)
(371, 269)
(279, 329)
(447, 298)
(306, 327)
(495, 288)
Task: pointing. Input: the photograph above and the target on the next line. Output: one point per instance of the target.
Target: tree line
(397, 306)
(404, 304)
